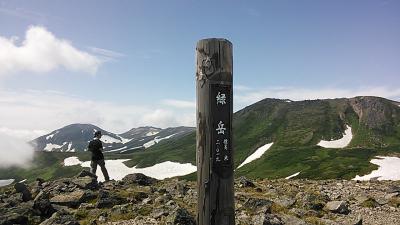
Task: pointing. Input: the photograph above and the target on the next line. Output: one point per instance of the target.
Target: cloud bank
(42, 52)
(44, 111)
(14, 151)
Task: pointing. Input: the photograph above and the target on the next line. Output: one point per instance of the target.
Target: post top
(214, 40)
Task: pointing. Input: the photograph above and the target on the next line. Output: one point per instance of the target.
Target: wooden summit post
(214, 154)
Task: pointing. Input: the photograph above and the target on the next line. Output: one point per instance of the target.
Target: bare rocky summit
(138, 199)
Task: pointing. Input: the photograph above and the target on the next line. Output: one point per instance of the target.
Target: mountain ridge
(293, 130)
(75, 137)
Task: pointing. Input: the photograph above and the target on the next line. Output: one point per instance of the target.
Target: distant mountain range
(75, 138)
(273, 138)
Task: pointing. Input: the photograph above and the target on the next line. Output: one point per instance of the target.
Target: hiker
(95, 146)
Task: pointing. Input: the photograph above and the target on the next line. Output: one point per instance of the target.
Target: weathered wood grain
(215, 182)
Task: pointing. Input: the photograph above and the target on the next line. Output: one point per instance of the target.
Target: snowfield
(109, 139)
(118, 149)
(72, 161)
(50, 146)
(389, 168)
(155, 141)
(118, 170)
(6, 182)
(341, 143)
(257, 154)
(151, 133)
(291, 176)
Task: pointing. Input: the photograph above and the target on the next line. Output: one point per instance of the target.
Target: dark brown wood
(214, 154)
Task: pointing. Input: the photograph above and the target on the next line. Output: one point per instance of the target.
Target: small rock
(393, 189)
(162, 199)
(147, 201)
(159, 212)
(170, 203)
(244, 182)
(257, 203)
(292, 220)
(382, 201)
(340, 207)
(313, 201)
(181, 217)
(181, 188)
(102, 219)
(267, 219)
(391, 195)
(285, 201)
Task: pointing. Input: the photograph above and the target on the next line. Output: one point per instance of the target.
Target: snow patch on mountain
(134, 148)
(50, 146)
(124, 140)
(118, 149)
(72, 161)
(389, 168)
(152, 133)
(257, 154)
(156, 140)
(291, 176)
(340, 143)
(118, 170)
(52, 135)
(109, 139)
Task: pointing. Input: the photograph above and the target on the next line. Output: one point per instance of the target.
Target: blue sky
(138, 67)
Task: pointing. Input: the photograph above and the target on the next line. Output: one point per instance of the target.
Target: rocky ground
(141, 200)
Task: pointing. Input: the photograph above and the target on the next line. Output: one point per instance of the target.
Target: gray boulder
(86, 182)
(42, 204)
(23, 189)
(71, 199)
(138, 178)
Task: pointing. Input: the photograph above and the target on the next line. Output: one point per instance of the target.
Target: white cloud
(14, 151)
(24, 134)
(249, 97)
(108, 54)
(42, 52)
(179, 103)
(48, 110)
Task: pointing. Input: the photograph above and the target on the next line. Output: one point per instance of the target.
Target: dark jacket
(95, 146)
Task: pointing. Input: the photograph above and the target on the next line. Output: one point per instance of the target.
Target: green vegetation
(294, 127)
